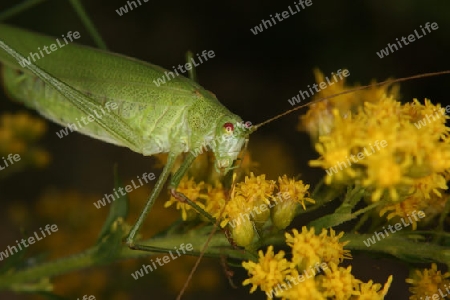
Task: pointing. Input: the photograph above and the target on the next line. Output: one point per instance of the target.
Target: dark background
(253, 76)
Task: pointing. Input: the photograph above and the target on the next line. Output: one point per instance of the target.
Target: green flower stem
(343, 213)
(218, 246)
(396, 244)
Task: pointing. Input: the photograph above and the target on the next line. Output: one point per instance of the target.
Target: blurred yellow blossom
(428, 282)
(406, 159)
(19, 134)
(319, 120)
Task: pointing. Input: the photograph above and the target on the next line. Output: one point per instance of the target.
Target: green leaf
(110, 245)
(343, 213)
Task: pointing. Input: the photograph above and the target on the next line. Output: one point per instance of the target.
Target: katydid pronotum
(118, 131)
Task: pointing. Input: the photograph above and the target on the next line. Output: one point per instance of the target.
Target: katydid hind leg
(215, 228)
(151, 200)
(175, 181)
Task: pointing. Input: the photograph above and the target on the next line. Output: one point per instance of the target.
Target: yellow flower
(317, 276)
(309, 249)
(257, 190)
(371, 291)
(268, 272)
(296, 190)
(412, 205)
(428, 282)
(427, 186)
(319, 120)
(191, 190)
(242, 227)
(247, 207)
(338, 282)
(335, 151)
(299, 288)
(215, 199)
(387, 147)
(291, 194)
(18, 136)
(385, 173)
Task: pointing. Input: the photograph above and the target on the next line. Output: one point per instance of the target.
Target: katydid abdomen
(178, 116)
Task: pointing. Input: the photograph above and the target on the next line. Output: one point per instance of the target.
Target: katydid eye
(228, 127)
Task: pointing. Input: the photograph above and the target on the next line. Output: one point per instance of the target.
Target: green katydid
(174, 118)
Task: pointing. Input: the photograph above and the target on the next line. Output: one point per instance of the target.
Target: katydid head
(229, 139)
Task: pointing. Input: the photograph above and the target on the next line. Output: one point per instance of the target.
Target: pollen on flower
(269, 271)
(428, 282)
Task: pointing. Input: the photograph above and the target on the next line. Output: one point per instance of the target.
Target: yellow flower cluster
(428, 283)
(309, 249)
(387, 147)
(252, 203)
(432, 206)
(18, 135)
(300, 279)
(319, 119)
